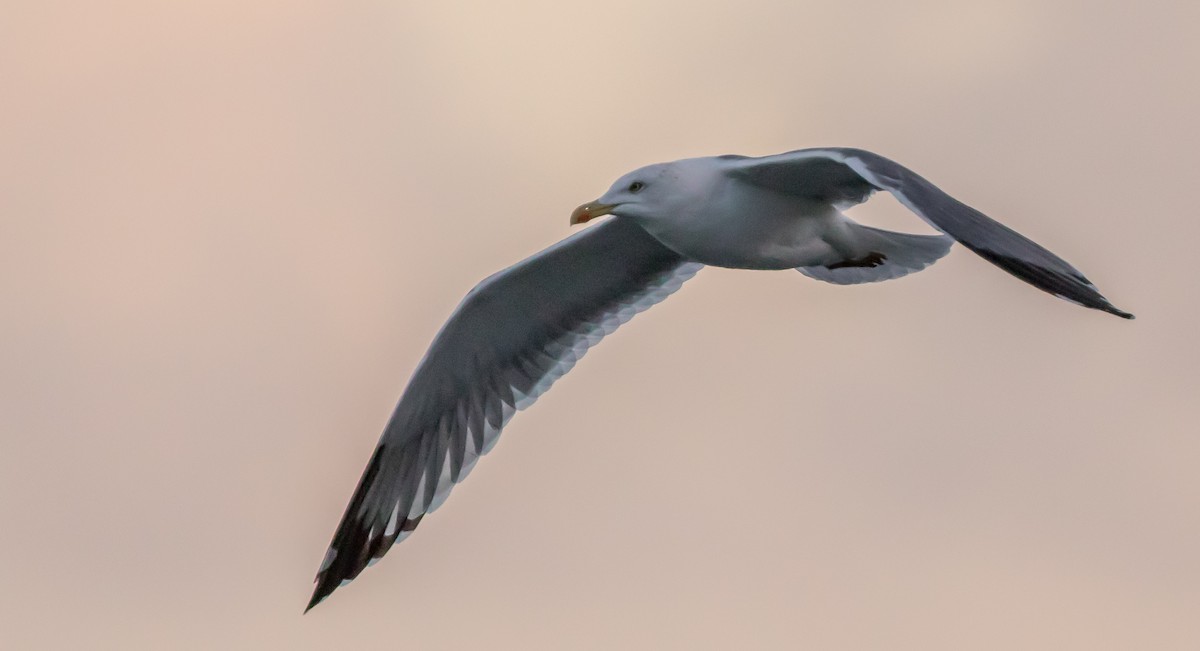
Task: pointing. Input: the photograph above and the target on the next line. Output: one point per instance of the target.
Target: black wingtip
(350, 535)
(317, 598)
(1112, 309)
(1064, 282)
(325, 587)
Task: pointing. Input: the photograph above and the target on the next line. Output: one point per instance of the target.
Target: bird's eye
(636, 185)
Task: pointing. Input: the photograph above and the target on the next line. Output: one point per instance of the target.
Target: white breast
(744, 227)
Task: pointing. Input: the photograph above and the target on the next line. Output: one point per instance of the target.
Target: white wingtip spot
(393, 522)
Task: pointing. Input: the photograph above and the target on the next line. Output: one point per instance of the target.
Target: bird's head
(654, 192)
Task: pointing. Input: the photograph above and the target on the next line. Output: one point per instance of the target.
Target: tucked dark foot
(872, 259)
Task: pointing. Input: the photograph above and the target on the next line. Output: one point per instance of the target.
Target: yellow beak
(590, 211)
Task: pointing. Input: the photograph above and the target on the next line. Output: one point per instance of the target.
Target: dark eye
(636, 185)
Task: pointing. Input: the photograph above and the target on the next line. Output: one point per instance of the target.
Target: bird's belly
(761, 240)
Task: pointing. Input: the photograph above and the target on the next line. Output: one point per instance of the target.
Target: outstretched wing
(511, 337)
(844, 177)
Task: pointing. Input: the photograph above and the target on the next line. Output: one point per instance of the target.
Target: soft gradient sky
(228, 230)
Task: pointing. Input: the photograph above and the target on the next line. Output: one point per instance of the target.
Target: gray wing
(844, 177)
(511, 337)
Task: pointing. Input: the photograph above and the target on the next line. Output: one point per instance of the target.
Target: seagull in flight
(522, 328)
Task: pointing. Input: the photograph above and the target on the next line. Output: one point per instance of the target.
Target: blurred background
(228, 231)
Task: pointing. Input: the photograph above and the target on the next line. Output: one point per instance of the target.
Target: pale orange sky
(229, 230)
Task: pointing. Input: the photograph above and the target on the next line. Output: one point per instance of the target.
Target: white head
(659, 191)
